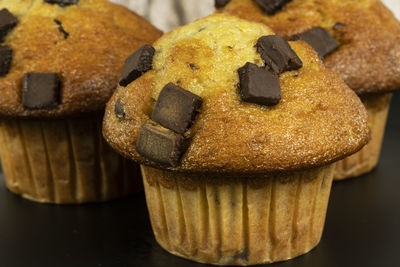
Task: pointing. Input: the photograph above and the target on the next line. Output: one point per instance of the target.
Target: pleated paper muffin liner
(367, 158)
(64, 161)
(237, 220)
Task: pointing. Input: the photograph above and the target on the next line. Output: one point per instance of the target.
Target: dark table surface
(362, 227)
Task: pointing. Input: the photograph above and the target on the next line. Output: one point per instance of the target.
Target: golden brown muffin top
(368, 33)
(89, 60)
(319, 119)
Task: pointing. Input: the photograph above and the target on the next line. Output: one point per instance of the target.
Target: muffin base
(367, 158)
(233, 220)
(64, 161)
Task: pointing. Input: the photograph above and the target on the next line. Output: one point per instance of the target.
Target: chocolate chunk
(176, 108)
(193, 66)
(136, 64)
(221, 3)
(338, 26)
(61, 29)
(119, 109)
(7, 22)
(62, 3)
(161, 145)
(272, 6)
(5, 60)
(277, 54)
(320, 40)
(258, 85)
(41, 91)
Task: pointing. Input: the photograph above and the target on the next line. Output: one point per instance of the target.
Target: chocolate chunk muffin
(237, 142)
(61, 62)
(358, 39)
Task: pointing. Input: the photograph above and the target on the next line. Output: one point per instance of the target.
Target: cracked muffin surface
(85, 44)
(319, 119)
(368, 58)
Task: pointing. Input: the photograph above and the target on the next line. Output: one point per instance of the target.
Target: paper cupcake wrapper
(64, 161)
(237, 220)
(367, 158)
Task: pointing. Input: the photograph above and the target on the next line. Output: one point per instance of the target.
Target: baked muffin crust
(368, 33)
(319, 119)
(89, 58)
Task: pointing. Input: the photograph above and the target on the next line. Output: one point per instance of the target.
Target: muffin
(367, 55)
(61, 62)
(236, 175)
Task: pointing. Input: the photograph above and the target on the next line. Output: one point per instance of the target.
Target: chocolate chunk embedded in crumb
(176, 108)
(62, 3)
(7, 23)
(272, 6)
(5, 60)
(277, 54)
(161, 145)
(320, 40)
(41, 91)
(136, 64)
(61, 29)
(119, 109)
(338, 26)
(221, 3)
(258, 85)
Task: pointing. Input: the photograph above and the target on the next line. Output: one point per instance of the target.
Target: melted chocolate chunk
(258, 85)
(161, 145)
(119, 109)
(221, 3)
(136, 64)
(277, 54)
(5, 60)
(7, 23)
(62, 3)
(272, 6)
(61, 29)
(176, 108)
(41, 91)
(320, 40)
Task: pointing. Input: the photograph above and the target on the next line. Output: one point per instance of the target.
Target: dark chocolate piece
(338, 26)
(119, 109)
(7, 23)
(176, 108)
(161, 145)
(41, 91)
(277, 54)
(221, 3)
(272, 6)
(136, 64)
(62, 3)
(193, 66)
(61, 29)
(5, 60)
(258, 85)
(320, 40)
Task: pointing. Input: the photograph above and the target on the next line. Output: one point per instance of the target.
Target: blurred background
(169, 14)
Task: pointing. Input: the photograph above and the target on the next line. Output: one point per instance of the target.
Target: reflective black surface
(362, 227)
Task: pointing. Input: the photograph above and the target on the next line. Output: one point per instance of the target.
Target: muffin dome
(318, 120)
(368, 58)
(85, 44)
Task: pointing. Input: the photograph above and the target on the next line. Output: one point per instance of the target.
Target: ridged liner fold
(237, 220)
(64, 161)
